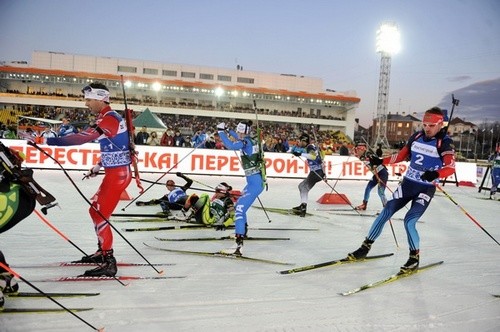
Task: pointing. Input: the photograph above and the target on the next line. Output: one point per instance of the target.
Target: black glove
(297, 153)
(4, 185)
(429, 176)
(178, 174)
(139, 203)
(374, 160)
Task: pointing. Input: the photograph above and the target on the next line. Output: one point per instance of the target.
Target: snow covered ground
(220, 294)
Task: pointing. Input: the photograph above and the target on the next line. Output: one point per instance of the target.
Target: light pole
(461, 134)
(468, 140)
(475, 145)
(388, 43)
(491, 140)
(482, 144)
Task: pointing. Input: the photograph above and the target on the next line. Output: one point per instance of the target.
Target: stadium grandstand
(186, 98)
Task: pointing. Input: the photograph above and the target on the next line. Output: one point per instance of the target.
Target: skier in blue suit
(254, 167)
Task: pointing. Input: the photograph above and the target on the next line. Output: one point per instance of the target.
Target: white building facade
(56, 79)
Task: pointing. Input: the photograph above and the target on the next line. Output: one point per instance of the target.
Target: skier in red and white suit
(111, 131)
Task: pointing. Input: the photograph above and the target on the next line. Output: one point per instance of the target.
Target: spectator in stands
(48, 132)
(9, 132)
(218, 142)
(66, 128)
(141, 137)
(179, 140)
(344, 150)
(268, 145)
(286, 145)
(188, 143)
(167, 139)
(210, 142)
(199, 139)
(153, 139)
(280, 147)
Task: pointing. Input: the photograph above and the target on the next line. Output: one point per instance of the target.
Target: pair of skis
(32, 295)
(391, 278)
(222, 238)
(219, 254)
(96, 278)
(287, 211)
(186, 227)
(148, 217)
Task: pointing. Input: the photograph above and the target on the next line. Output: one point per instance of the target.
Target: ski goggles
(97, 94)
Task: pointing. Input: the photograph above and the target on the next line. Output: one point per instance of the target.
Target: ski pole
(338, 177)
(61, 234)
(194, 188)
(48, 223)
(17, 275)
(265, 212)
(466, 213)
(131, 134)
(333, 189)
(161, 177)
(380, 182)
(212, 189)
(203, 184)
(91, 205)
(263, 171)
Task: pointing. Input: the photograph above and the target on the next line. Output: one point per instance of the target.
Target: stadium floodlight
(219, 91)
(388, 43)
(388, 39)
(156, 86)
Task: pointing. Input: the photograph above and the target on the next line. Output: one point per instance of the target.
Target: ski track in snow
(226, 295)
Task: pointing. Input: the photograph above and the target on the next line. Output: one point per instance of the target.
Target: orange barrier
(334, 199)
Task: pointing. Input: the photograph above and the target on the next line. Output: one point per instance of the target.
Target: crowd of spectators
(147, 100)
(181, 131)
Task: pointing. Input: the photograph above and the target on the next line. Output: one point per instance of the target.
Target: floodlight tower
(388, 43)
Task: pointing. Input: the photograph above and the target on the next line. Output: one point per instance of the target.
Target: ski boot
(412, 264)
(239, 244)
(2, 299)
(300, 210)
(165, 209)
(361, 252)
(361, 207)
(8, 285)
(106, 269)
(95, 258)
(188, 213)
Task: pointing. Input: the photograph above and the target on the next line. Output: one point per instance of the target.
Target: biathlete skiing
(253, 164)
(111, 132)
(17, 201)
(432, 156)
